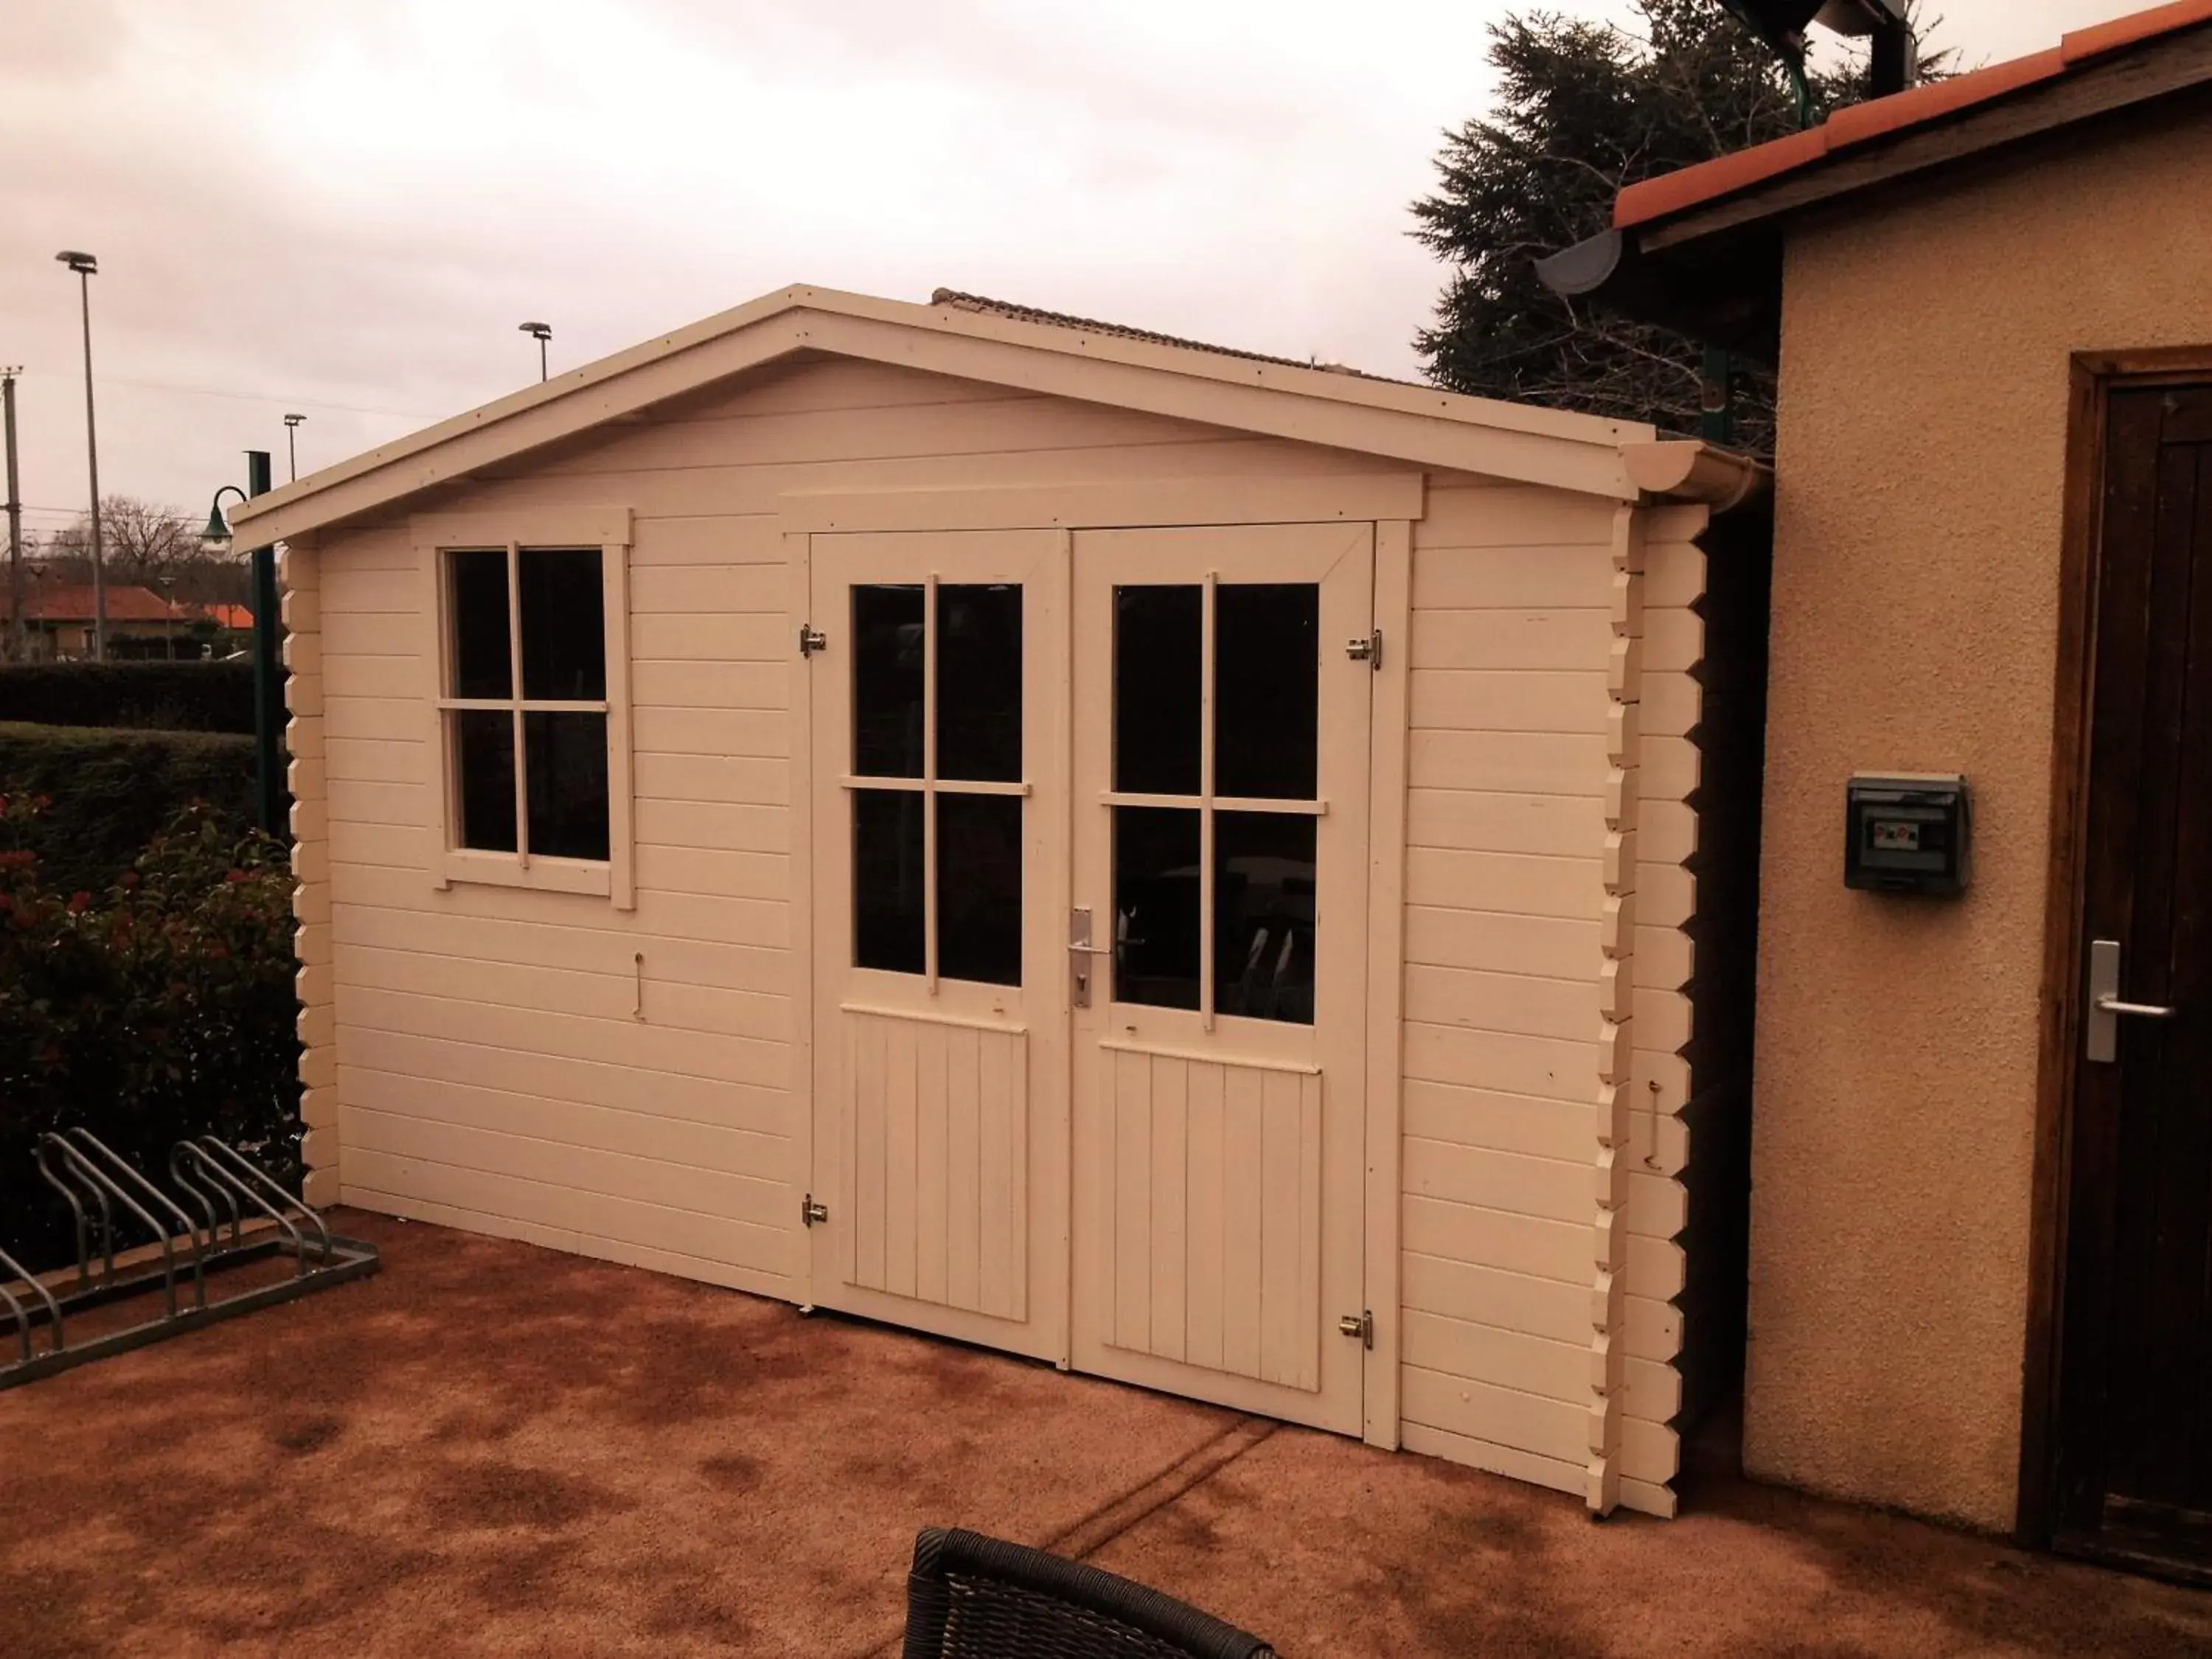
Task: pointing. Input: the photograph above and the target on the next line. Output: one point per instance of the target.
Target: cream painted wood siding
(1513, 737)
(492, 1068)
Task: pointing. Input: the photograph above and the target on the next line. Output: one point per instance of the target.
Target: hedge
(169, 696)
(159, 1008)
(108, 792)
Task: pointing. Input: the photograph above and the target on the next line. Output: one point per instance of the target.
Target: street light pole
(540, 332)
(269, 787)
(86, 267)
(15, 520)
(291, 449)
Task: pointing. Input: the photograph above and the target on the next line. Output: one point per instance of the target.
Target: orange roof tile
(58, 602)
(1882, 118)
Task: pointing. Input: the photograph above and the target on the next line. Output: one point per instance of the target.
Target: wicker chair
(972, 1597)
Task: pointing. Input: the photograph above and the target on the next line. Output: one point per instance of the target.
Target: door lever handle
(2100, 1028)
(2111, 1005)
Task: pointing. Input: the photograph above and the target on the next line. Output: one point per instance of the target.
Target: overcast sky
(344, 207)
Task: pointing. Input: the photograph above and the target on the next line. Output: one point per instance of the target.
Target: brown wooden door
(2134, 1464)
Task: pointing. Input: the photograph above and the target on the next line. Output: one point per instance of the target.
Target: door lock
(2101, 1024)
(1361, 1324)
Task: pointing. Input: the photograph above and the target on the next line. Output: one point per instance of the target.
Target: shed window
(937, 780)
(1216, 762)
(530, 716)
(530, 761)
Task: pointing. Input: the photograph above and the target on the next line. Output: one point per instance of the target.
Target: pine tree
(1582, 110)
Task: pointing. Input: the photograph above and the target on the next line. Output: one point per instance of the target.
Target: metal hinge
(810, 1212)
(811, 640)
(1361, 1324)
(1369, 650)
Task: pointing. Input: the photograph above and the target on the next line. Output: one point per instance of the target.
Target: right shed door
(2134, 1445)
(1217, 962)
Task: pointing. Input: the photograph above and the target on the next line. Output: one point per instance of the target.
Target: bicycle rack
(104, 1192)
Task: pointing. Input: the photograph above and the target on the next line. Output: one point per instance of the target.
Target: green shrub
(160, 1008)
(164, 696)
(109, 791)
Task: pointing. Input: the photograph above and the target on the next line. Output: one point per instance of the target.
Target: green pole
(1719, 398)
(270, 808)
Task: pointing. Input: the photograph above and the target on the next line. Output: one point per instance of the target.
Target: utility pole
(15, 520)
(86, 267)
(291, 447)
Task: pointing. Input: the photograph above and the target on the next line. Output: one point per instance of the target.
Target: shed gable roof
(999, 344)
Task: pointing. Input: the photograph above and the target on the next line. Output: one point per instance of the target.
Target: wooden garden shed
(1169, 862)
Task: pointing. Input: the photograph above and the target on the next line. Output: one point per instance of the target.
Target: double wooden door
(2133, 1475)
(1089, 836)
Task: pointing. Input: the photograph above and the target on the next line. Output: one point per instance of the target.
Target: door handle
(1080, 949)
(2101, 1029)
(2139, 1010)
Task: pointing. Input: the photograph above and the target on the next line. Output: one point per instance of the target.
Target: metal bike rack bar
(101, 1188)
(54, 1309)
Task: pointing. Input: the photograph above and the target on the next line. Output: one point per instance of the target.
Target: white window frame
(608, 529)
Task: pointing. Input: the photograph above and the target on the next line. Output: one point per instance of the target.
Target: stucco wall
(1920, 461)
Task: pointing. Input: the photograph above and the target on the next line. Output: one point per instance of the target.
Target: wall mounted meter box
(1906, 833)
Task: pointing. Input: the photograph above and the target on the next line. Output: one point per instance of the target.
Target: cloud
(345, 208)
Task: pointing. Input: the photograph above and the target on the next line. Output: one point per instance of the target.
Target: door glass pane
(1157, 668)
(564, 609)
(979, 681)
(887, 886)
(1156, 885)
(1266, 692)
(979, 888)
(484, 758)
(478, 601)
(887, 655)
(564, 768)
(1263, 915)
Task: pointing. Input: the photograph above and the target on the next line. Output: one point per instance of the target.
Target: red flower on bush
(79, 902)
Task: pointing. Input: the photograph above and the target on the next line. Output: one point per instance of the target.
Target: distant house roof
(1700, 249)
(235, 617)
(72, 602)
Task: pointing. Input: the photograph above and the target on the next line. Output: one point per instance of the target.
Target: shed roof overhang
(1700, 250)
(1420, 425)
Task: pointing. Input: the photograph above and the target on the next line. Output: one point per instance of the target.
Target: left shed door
(939, 732)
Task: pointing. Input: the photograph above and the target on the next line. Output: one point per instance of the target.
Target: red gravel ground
(489, 1448)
